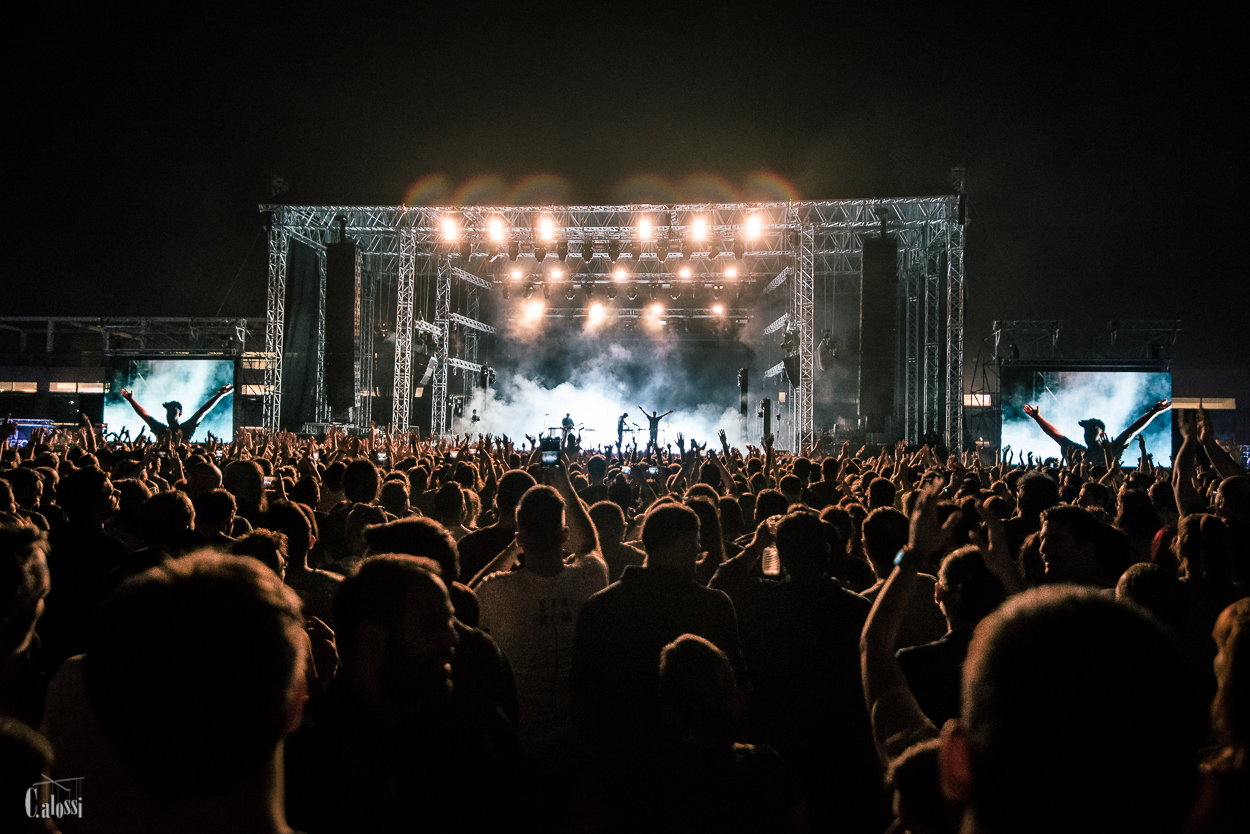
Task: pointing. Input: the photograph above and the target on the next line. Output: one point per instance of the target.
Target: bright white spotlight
(699, 229)
(684, 272)
(644, 229)
(657, 309)
(620, 274)
(516, 273)
(547, 229)
(534, 310)
(555, 273)
(596, 312)
(496, 229)
(753, 226)
(449, 229)
(719, 309)
(731, 272)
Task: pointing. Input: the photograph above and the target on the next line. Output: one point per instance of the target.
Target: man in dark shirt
(173, 410)
(622, 629)
(479, 548)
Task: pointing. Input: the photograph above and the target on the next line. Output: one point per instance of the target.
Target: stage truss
(798, 247)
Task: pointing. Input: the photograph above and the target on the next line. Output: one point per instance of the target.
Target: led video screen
(1064, 398)
(153, 382)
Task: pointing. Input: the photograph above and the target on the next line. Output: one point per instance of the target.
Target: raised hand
(1031, 410)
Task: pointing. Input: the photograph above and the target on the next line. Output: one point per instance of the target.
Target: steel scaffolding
(808, 250)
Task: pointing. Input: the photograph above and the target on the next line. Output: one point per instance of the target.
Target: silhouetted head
(173, 409)
(1093, 426)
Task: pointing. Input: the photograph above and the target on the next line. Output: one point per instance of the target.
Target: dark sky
(1105, 151)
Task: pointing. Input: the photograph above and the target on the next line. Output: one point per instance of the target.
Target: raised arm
(1051, 431)
(1220, 459)
(583, 540)
(129, 397)
(665, 414)
(1141, 422)
(1186, 469)
(212, 401)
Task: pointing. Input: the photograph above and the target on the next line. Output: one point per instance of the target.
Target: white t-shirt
(533, 619)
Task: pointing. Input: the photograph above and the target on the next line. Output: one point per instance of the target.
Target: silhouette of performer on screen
(1096, 434)
(653, 420)
(173, 410)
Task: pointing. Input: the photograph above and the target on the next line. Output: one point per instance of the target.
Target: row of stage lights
(631, 291)
(547, 233)
(597, 312)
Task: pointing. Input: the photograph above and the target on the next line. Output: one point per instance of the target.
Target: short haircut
(801, 539)
(81, 491)
(190, 667)
(1080, 522)
(449, 501)
(166, 515)
(971, 591)
(360, 482)
(512, 486)
(881, 493)
(1157, 590)
(1036, 491)
(417, 537)
(378, 592)
(1080, 715)
(665, 524)
(768, 503)
(697, 685)
(609, 520)
(885, 531)
(540, 515)
(333, 478)
(597, 466)
(290, 520)
(265, 546)
(214, 507)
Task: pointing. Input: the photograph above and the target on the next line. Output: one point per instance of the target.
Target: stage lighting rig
(753, 226)
(661, 249)
(450, 232)
(529, 290)
(632, 292)
(540, 253)
(514, 251)
(496, 229)
(570, 292)
(611, 292)
(713, 249)
(562, 250)
(614, 250)
(687, 250)
(740, 249)
(588, 251)
(466, 250)
(635, 250)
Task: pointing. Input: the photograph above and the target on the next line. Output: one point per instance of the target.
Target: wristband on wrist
(906, 558)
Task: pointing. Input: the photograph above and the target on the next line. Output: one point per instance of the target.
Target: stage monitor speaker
(340, 318)
(878, 330)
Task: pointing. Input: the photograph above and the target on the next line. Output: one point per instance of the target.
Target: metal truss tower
(808, 250)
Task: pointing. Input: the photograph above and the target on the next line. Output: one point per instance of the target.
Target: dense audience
(386, 632)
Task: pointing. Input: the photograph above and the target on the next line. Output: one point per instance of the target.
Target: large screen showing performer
(1042, 408)
(152, 394)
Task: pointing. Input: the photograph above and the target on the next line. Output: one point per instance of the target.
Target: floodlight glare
(620, 274)
(657, 309)
(534, 309)
(555, 273)
(644, 229)
(718, 309)
(496, 229)
(596, 312)
(547, 229)
(699, 229)
(449, 229)
(684, 272)
(731, 272)
(516, 273)
(753, 226)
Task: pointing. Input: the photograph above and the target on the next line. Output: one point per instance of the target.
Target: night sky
(1105, 152)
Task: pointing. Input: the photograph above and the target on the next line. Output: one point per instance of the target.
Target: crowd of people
(384, 632)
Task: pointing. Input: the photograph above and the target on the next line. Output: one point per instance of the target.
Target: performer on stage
(621, 427)
(173, 410)
(1095, 433)
(653, 420)
(566, 428)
